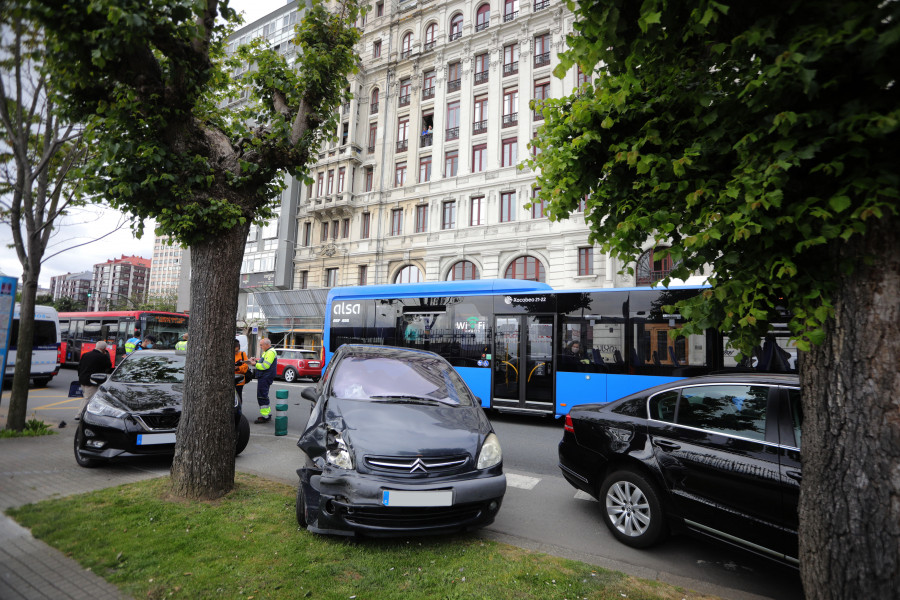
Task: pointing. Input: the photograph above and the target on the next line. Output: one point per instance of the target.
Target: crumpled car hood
(391, 429)
(145, 397)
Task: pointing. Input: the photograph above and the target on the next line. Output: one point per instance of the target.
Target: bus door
(522, 363)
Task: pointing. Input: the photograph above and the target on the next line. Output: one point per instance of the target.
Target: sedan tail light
(570, 427)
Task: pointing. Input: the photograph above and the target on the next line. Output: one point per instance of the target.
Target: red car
(298, 363)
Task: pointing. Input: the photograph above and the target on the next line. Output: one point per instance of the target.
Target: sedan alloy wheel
(633, 511)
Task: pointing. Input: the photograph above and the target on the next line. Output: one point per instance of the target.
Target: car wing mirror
(309, 394)
(99, 378)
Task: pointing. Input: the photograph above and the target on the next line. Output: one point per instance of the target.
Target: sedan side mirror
(99, 378)
(309, 393)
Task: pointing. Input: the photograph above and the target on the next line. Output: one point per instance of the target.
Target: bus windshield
(167, 329)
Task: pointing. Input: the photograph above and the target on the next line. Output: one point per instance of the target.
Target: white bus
(44, 352)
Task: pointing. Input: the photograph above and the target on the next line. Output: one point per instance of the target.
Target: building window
(397, 221)
(363, 275)
(345, 229)
(330, 190)
(510, 107)
(304, 280)
(430, 32)
(406, 46)
(653, 266)
(364, 226)
(421, 218)
(479, 158)
(379, 9)
(454, 79)
(510, 10)
(408, 274)
(482, 68)
(334, 229)
(428, 85)
(507, 206)
(331, 277)
(526, 267)
(400, 175)
(509, 155)
(370, 178)
(402, 134)
(541, 50)
(537, 204)
(453, 120)
(456, 24)
(451, 163)
(541, 93)
(448, 215)
(510, 59)
(373, 102)
(586, 261)
(373, 133)
(307, 234)
(483, 17)
(463, 270)
(324, 237)
(476, 212)
(342, 174)
(425, 169)
(404, 91)
(582, 78)
(480, 116)
(320, 184)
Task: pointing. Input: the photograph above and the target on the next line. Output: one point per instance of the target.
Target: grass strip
(247, 545)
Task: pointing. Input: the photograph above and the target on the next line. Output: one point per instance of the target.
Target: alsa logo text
(347, 308)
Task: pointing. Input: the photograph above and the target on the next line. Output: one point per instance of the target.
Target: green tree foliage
(152, 82)
(748, 136)
(760, 140)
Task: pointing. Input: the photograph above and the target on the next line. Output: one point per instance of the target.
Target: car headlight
(490, 454)
(99, 406)
(337, 452)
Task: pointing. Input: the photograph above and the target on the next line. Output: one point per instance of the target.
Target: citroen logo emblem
(418, 466)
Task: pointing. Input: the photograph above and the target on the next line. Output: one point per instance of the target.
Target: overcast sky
(74, 240)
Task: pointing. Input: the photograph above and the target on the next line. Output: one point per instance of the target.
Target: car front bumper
(349, 503)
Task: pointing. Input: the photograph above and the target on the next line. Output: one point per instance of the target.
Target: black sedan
(136, 410)
(716, 455)
(396, 444)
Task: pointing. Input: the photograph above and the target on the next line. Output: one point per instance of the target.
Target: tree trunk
(850, 494)
(203, 467)
(18, 398)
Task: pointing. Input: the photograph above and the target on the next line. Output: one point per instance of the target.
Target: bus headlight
(490, 454)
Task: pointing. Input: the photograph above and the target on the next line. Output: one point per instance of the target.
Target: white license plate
(405, 498)
(149, 439)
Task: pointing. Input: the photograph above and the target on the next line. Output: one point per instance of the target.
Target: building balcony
(481, 77)
(511, 68)
(427, 140)
(510, 16)
(428, 46)
(541, 5)
(405, 54)
(452, 134)
(482, 26)
(404, 100)
(511, 119)
(428, 93)
(454, 36)
(479, 127)
(454, 85)
(373, 109)
(541, 59)
(402, 145)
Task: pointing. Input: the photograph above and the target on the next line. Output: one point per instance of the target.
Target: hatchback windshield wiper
(407, 398)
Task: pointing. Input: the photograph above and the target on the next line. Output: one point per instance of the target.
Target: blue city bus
(522, 346)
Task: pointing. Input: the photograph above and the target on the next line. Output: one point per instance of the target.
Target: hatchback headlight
(337, 452)
(100, 407)
(490, 454)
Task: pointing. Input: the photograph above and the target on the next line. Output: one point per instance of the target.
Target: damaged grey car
(396, 444)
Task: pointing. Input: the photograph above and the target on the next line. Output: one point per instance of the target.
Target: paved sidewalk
(34, 469)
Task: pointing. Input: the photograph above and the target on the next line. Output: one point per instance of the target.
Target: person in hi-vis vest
(265, 375)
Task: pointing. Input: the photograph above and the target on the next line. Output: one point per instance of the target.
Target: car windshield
(381, 379)
(145, 367)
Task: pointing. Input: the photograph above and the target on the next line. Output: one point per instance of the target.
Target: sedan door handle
(667, 446)
(795, 475)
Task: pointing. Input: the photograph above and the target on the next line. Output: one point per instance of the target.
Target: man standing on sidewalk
(95, 361)
(265, 375)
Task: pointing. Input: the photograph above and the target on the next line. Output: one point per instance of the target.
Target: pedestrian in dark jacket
(95, 361)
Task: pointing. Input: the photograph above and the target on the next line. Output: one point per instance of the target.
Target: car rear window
(378, 377)
(145, 367)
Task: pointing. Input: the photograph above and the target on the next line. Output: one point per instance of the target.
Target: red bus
(80, 331)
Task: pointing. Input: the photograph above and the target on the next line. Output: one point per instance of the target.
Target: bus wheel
(81, 459)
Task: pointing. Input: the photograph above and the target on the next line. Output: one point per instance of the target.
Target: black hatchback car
(716, 455)
(396, 444)
(136, 410)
